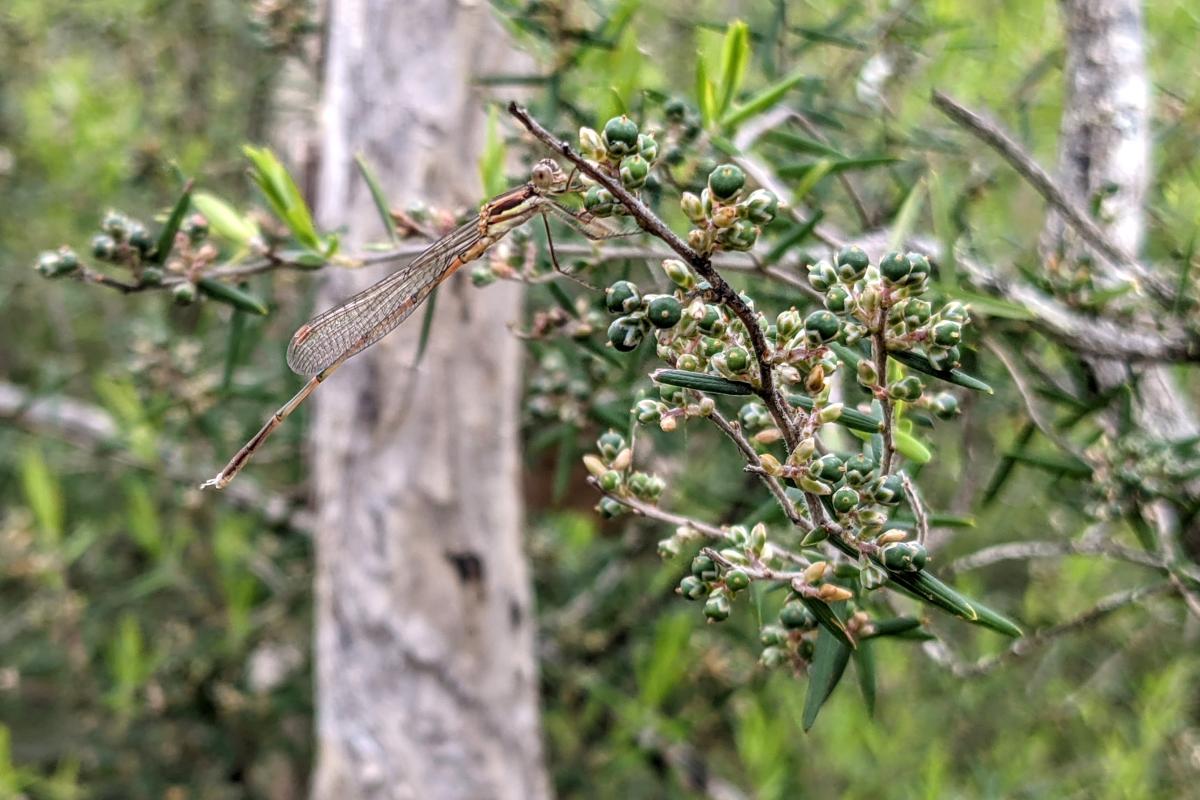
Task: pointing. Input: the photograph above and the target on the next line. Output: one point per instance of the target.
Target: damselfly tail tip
(219, 482)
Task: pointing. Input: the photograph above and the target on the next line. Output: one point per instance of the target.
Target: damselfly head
(548, 176)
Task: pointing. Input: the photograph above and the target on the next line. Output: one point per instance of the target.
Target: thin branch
(992, 134)
(918, 508)
(650, 223)
(1037, 639)
(1019, 551)
(738, 438)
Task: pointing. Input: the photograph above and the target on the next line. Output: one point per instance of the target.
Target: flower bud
(634, 171)
(591, 145)
(726, 182)
(821, 275)
(831, 413)
(610, 444)
(724, 216)
(788, 324)
(622, 297)
(821, 327)
(831, 593)
(620, 136)
(904, 556)
(626, 333)
(845, 500)
(594, 465)
(649, 411)
(647, 147)
(700, 240)
(852, 263)
(692, 209)
(866, 373)
(679, 273)
(761, 207)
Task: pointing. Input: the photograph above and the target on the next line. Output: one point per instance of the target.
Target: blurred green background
(155, 645)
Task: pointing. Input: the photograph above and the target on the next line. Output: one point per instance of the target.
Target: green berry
(828, 468)
(647, 147)
(717, 608)
(610, 444)
(693, 588)
(852, 263)
(704, 568)
(634, 171)
(675, 109)
(737, 358)
(736, 580)
(139, 237)
(858, 469)
(152, 276)
(626, 333)
(904, 556)
(944, 405)
(664, 311)
(184, 293)
(620, 136)
(947, 333)
(610, 508)
(648, 412)
(845, 500)
(599, 201)
(761, 207)
(886, 491)
(795, 616)
(894, 268)
(104, 247)
(822, 276)
(726, 181)
(610, 481)
(622, 297)
(195, 227)
(821, 327)
(837, 299)
(115, 225)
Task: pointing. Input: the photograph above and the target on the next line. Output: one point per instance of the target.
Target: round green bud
(675, 109)
(726, 181)
(704, 568)
(483, 275)
(773, 657)
(788, 324)
(610, 481)
(67, 259)
(838, 299)
(152, 276)
(195, 227)
(710, 346)
(772, 634)
(740, 236)
(689, 362)
(184, 293)
(955, 310)
(943, 357)
(647, 147)
(671, 394)
(852, 263)
(610, 508)
(693, 588)
(917, 312)
(610, 444)
(51, 264)
(590, 144)
(858, 469)
(795, 616)
(822, 275)
(887, 491)
(947, 333)
(737, 358)
(645, 486)
(679, 273)
(648, 412)
(115, 224)
(894, 268)
(664, 311)
(104, 247)
(904, 556)
(634, 171)
(828, 468)
(845, 500)
(622, 297)
(753, 416)
(918, 267)
(599, 201)
(736, 580)
(908, 389)
(620, 136)
(712, 322)
(717, 608)
(761, 207)
(139, 237)
(944, 405)
(821, 327)
(625, 334)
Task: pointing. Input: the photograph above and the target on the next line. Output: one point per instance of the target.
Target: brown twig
(991, 133)
(702, 264)
(734, 432)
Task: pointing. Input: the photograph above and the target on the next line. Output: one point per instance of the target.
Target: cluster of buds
(722, 217)
(718, 584)
(625, 154)
(1132, 470)
(612, 468)
(887, 298)
(638, 314)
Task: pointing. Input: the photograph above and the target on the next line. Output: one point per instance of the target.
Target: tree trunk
(426, 676)
(1104, 152)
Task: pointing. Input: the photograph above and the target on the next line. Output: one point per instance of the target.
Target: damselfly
(323, 344)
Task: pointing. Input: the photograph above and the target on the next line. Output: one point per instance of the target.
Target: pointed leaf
(955, 376)
(829, 619)
(381, 203)
(166, 237)
(224, 220)
(706, 98)
(906, 217)
(762, 101)
(231, 295)
(735, 56)
(830, 657)
(864, 668)
(851, 418)
(701, 382)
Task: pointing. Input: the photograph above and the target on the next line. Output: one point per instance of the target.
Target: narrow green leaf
(864, 668)
(830, 657)
(491, 162)
(381, 202)
(829, 619)
(892, 627)
(166, 237)
(283, 196)
(735, 56)
(990, 306)
(701, 382)
(426, 324)
(955, 376)
(810, 179)
(44, 495)
(906, 217)
(231, 295)
(802, 144)
(851, 418)
(941, 207)
(224, 220)
(800, 171)
(911, 447)
(1005, 467)
(926, 587)
(1054, 464)
(762, 101)
(706, 99)
(794, 237)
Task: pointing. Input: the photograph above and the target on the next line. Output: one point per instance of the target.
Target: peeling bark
(426, 676)
(1104, 154)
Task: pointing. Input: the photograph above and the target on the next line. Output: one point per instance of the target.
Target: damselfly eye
(544, 174)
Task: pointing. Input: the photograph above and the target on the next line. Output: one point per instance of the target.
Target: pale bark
(1104, 151)
(426, 677)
